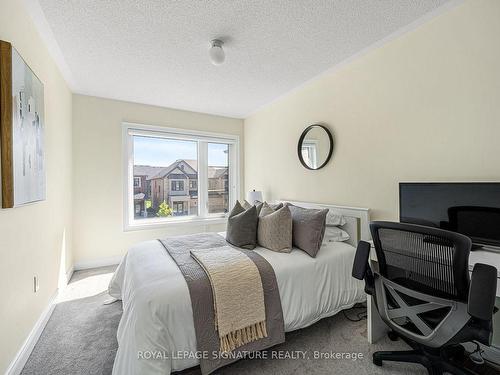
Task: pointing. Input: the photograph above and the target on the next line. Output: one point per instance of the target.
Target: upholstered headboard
(357, 219)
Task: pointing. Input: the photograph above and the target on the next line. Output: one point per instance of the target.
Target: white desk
(487, 257)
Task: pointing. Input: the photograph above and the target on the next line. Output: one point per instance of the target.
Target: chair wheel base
(393, 336)
(377, 361)
(431, 360)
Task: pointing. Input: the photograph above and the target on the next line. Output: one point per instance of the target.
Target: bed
(157, 321)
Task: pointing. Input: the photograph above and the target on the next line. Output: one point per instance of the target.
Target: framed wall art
(21, 130)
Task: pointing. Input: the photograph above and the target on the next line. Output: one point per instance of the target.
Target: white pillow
(335, 234)
(335, 219)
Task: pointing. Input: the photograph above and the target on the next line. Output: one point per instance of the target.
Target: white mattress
(157, 316)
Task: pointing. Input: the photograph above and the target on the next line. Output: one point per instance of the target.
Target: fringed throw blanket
(240, 314)
(202, 301)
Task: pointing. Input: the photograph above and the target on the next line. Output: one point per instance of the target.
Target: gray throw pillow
(308, 228)
(242, 227)
(275, 229)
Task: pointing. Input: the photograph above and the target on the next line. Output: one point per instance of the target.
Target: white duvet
(157, 319)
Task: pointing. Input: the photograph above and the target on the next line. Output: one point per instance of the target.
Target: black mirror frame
(301, 139)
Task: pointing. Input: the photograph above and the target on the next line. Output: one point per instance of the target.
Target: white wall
(35, 239)
(98, 172)
(424, 107)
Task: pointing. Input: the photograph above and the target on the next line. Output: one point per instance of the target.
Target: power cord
(477, 355)
(362, 315)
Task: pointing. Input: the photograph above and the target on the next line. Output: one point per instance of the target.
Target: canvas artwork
(23, 164)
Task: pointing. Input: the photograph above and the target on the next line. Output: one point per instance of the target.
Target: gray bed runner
(200, 291)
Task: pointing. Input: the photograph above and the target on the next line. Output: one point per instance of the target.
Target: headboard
(358, 219)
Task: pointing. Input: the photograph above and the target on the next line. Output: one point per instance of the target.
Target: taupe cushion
(242, 227)
(258, 206)
(275, 229)
(245, 204)
(308, 228)
(273, 207)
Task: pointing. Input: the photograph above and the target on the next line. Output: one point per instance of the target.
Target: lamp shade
(254, 196)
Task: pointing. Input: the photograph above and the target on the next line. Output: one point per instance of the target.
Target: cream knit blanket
(240, 314)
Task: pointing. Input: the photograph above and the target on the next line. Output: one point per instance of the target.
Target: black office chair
(423, 293)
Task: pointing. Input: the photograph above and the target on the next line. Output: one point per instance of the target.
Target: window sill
(159, 224)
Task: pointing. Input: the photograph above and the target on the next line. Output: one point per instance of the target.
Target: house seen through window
(182, 176)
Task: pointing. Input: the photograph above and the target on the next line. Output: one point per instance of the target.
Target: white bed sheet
(157, 317)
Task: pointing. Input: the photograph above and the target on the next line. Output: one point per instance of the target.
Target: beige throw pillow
(274, 230)
(245, 204)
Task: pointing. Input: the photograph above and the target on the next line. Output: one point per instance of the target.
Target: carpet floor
(80, 338)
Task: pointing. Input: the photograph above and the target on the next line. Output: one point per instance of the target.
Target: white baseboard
(23, 354)
(95, 263)
(28, 345)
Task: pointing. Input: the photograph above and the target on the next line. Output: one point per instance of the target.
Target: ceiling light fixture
(216, 53)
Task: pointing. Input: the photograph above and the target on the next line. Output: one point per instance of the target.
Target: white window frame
(203, 138)
(312, 146)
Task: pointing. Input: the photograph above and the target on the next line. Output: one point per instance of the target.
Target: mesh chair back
(429, 260)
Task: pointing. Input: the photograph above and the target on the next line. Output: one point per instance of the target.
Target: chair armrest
(482, 292)
(361, 268)
(361, 260)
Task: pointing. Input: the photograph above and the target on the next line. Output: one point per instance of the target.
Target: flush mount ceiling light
(216, 53)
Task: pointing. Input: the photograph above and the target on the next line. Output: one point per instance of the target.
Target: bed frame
(358, 219)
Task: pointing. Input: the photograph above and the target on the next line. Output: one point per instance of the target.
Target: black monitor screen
(472, 209)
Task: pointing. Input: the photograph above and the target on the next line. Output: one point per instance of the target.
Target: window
(180, 208)
(309, 151)
(218, 173)
(194, 175)
(177, 185)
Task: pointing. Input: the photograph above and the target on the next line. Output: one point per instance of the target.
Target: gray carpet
(80, 338)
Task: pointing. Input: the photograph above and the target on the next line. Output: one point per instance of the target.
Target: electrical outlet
(36, 284)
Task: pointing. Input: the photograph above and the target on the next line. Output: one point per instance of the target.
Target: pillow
(275, 229)
(245, 204)
(335, 219)
(242, 227)
(335, 234)
(265, 208)
(275, 206)
(308, 228)
(259, 205)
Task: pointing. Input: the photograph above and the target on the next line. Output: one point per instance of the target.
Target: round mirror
(315, 146)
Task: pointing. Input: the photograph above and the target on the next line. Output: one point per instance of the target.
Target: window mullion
(233, 175)
(203, 178)
(129, 184)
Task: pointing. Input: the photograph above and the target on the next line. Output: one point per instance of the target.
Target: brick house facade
(177, 185)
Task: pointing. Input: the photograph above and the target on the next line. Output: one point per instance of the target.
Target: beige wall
(424, 107)
(35, 239)
(98, 171)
